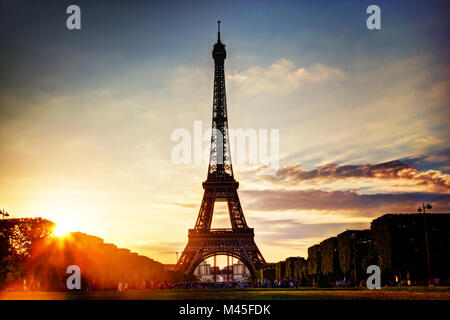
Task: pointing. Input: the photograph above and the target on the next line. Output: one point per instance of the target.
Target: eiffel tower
(220, 185)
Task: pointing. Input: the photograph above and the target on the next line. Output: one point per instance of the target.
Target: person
(119, 287)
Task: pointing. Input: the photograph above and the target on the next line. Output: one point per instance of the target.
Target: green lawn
(245, 294)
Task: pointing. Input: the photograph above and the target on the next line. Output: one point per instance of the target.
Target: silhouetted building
(400, 245)
(330, 259)
(395, 242)
(290, 268)
(356, 252)
(314, 260)
(170, 267)
(280, 268)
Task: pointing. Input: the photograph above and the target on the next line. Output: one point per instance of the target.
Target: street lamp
(4, 214)
(354, 255)
(420, 210)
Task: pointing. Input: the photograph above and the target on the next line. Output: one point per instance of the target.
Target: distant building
(204, 273)
(400, 244)
(280, 270)
(356, 252)
(169, 267)
(238, 272)
(330, 259)
(395, 242)
(314, 260)
(291, 267)
(266, 272)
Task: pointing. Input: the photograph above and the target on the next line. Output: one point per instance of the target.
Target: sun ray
(63, 227)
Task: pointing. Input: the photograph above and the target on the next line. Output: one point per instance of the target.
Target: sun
(62, 228)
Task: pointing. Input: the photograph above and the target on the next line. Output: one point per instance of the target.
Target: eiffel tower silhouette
(220, 185)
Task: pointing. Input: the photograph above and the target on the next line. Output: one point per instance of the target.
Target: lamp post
(4, 214)
(420, 210)
(354, 255)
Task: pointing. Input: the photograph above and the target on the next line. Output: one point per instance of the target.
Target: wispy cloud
(283, 76)
(433, 180)
(350, 201)
(438, 160)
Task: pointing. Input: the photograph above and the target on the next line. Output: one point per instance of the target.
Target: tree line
(31, 258)
(395, 242)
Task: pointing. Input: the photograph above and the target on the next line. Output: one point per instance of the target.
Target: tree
(17, 236)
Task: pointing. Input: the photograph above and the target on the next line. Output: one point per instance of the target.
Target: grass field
(414, 293)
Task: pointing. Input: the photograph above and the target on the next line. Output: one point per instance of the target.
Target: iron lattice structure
(220, 185)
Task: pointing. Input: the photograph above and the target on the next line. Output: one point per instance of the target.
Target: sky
(86, 116)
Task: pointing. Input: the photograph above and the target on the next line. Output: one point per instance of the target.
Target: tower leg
(215, 270)
(228, 267)
(232, 269)
(204, 244)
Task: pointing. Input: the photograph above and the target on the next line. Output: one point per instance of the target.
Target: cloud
(161, 246)
(433, 180)
(350, 201)
(283, 229)
(185, 204)
(439, 92)
(281, 77)
(438, 160)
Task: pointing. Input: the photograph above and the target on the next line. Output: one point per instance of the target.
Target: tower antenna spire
(218, 30)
